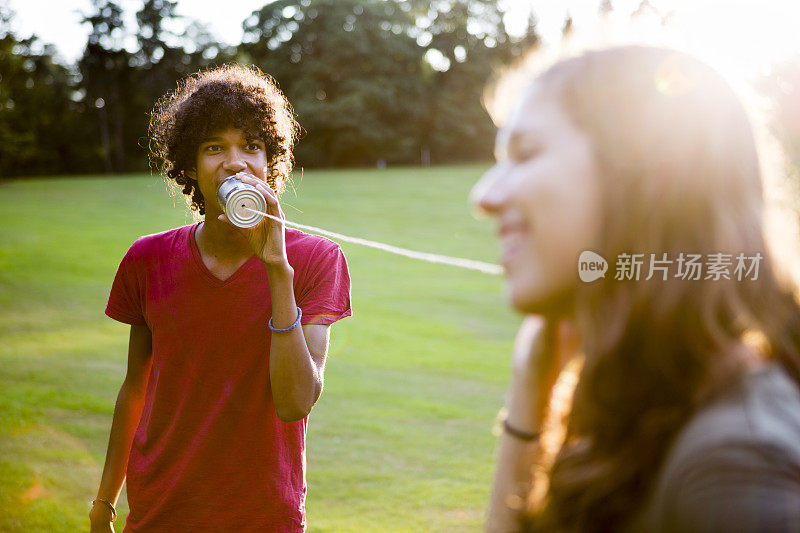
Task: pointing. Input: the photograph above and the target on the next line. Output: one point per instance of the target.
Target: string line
(469, 264)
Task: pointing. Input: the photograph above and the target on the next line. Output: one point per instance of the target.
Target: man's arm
(297, 357)
(127, 412)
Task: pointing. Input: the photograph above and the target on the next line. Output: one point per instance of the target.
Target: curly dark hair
(213, 100)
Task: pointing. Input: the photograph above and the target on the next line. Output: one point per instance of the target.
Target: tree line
(372, 82)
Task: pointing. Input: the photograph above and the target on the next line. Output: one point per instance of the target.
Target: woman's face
(544, 192)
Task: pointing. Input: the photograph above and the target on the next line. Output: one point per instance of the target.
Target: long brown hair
(680, 174)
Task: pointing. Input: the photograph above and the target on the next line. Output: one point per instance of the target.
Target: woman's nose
(488, 195)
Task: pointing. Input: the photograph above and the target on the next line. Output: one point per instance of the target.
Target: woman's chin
(541, 302)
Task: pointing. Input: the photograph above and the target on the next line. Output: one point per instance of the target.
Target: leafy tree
(162, 59)
(39, 123)
(362, 80)
(350, 71)
(471, 37)
(122, 86)
(151, 35)
(398, 81)
(106, 80)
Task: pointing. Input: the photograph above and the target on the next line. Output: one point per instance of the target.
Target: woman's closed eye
(522, 148)
(522, 154)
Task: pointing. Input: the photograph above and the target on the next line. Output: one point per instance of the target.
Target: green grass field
(401, 439)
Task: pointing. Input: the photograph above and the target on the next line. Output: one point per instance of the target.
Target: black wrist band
(519, 434)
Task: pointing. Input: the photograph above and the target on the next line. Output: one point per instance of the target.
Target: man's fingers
(266, 191)
(273, 205)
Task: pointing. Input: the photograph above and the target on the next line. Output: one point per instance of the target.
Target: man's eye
(213, 148)
(254, 147)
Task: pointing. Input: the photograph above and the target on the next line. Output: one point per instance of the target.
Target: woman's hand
(267, 237)
(541, 350)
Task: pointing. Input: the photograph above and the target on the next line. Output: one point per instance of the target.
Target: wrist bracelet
(107, 504)
(290, 328)
(519, 434)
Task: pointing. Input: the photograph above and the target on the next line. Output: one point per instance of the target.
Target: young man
(229, 328)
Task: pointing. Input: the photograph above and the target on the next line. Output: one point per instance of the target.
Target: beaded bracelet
(290, 328)
(107, 504)
(518, 433)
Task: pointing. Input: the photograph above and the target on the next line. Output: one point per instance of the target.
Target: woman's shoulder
(736, 464)
(762, 409)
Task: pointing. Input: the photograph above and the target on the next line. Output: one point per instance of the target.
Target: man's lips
(226, 176)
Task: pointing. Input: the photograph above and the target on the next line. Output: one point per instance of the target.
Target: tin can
(237, 198)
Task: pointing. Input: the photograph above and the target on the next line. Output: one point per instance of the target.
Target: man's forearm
(294, 376)
(127, 412)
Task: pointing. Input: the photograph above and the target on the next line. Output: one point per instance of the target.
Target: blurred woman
(686, 413)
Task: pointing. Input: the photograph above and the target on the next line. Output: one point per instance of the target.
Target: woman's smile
(513, 236)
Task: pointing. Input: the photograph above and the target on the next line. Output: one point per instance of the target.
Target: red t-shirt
(210, 453)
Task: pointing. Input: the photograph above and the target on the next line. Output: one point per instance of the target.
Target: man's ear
(191, 174)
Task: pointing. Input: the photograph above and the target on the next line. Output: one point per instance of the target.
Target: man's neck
(221, 241)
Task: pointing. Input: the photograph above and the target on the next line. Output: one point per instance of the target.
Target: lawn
(401, 439)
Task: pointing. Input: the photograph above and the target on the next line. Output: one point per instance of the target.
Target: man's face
(223, 154)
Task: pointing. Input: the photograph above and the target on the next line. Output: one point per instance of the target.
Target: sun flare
(740, 38)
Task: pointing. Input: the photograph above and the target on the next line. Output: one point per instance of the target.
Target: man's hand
(267, 237)
(104, 527)
(100, 520)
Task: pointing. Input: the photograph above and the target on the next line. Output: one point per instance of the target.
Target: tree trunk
(105, 139)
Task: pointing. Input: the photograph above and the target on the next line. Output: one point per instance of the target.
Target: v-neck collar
(201, 266)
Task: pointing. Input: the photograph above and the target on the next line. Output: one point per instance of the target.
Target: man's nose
(234, 162)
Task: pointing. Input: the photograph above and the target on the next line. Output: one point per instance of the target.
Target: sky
(737, 36)
(59, 21)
